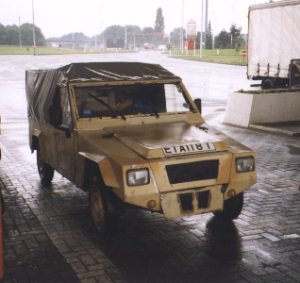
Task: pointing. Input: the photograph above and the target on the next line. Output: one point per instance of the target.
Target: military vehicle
(130, 135)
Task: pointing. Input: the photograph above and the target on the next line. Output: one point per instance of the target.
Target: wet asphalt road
(47, 236)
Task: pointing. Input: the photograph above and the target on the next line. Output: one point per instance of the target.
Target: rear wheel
(232, 208)
(46, 172)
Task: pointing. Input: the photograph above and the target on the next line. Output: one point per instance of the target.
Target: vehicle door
(64, 137)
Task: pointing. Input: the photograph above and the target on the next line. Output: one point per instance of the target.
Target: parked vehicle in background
(274, 44)
(162, 47)
(130, 135)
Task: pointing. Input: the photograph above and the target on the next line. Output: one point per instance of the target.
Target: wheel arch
(101, 166)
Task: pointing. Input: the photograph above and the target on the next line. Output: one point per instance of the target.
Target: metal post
(20, 37)
(170, 46)
(101, 27)
(33, 31)
(201, 39)
(182, 28)
(206, 16)
(125, 37)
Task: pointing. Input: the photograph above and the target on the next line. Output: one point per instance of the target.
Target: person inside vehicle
(84, 111)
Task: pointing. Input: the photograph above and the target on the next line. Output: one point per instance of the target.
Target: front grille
(186, 201)
(193, 171)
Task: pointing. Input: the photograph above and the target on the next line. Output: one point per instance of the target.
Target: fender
(109, 172)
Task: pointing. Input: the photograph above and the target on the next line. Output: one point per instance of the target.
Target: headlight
(138, 177)
(245, 164)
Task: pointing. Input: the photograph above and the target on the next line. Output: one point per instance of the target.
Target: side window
(65, 107)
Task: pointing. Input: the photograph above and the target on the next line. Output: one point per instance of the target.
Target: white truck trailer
(274, 44)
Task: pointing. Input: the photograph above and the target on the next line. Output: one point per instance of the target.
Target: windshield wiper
(107, 106)
(154, 111)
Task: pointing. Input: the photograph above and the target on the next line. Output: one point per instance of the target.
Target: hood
(167, 139)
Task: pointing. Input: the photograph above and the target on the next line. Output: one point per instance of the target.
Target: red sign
(243, 53)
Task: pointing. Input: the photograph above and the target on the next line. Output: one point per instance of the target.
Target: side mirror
(55, 115)
(198, 103)
(185, 105)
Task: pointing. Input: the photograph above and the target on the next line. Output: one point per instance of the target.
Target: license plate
(188, 148)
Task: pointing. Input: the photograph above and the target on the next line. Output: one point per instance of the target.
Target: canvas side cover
(40, 89)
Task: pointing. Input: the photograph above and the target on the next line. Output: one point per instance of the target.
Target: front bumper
(191, 202)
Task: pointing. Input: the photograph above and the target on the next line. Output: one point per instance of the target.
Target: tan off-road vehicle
(130, 135)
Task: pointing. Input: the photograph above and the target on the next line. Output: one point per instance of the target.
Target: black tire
(232, 208)
(104, 209)
(267, 83)
(96, 205)
(46, 172)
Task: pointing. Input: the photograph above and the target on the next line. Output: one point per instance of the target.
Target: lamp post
(201, 31)
(20, 36)
(101, 35)
(182, 28)
(33, 31)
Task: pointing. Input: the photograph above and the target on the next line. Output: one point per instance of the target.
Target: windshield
(122, 100)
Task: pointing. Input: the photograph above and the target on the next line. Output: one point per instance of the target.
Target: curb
(276, 129)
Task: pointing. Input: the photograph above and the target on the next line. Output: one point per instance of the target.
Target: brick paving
(48, 238)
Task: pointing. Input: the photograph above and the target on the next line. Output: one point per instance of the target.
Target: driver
(84, 111)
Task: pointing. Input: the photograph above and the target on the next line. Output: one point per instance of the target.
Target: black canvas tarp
(41, 85)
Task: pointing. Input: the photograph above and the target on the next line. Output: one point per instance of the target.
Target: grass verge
(43, 50)
(223, 56)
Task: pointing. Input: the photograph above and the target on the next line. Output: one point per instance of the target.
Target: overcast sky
(59, 17)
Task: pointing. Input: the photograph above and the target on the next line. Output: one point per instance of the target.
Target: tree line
(127, 36)
(21, 35)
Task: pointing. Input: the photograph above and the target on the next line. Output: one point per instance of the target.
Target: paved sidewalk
(29, 254)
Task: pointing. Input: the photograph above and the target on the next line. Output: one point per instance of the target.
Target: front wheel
(232, 208)
(96, 205)
(46, 172)
(104, 207)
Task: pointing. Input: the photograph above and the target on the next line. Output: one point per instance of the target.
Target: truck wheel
(46, 172)
(267, 84)
(232, 208)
